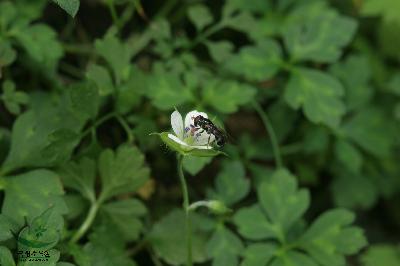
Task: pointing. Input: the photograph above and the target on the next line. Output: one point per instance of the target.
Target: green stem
(128, 13)
(165, 9)
(126, 127)
(271, 133)
(71, 70)
(87, 223)
(138, 247)
(154, 258)
(203, 36)
(98, 123)
(78, 48)
(187, 211)
(197, 204)
(113, 12)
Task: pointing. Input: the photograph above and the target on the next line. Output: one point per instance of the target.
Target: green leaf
(253, 224)
(388, 39)
(101, 78)
(348, 155)
(7, 53)
(33, 38)
(318, 94)
(259, 254)
(385, 8)
(60, 140)
(281, 199)
(43, 233)
(200, 16)
(125, 215)
(76, 204)
(242, 21)
(224, 247)
(231, 184)
(259, 6)
(80, 176)
(317, 33)
(194, 165)
(365, 129)
(381, 254)
(105, 247)
(355, 73)
(7, 228)
(6, 257)
(122, 171)
(293, 258)
(354, 191)
(13, 99)
(258, 62)
(85, 100)
(70, 6)
(40, 236)
(316, 139)
(226, 96)
(331, 237)
(169, 241)
(166, 91)
(5, 136)
(28, 195)
(394, 84)
(8, 13)
(81, 257)
(117, 55)
(219, 51)
(130, 93)
(31, 131)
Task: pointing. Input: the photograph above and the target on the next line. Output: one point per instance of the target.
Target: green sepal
(187, 150)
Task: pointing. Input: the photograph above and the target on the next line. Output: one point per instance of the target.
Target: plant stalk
(113, 12)
(126, 127)
(188, 224)
(87, 223)
(271, 132)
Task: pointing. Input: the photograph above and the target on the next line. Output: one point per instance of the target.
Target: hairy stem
(271, 133)
(187, 211)
(87, 223)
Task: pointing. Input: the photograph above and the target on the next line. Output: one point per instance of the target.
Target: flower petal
(202, 139)
(177, 124)
(177, 140)
(194, 113)
(175, 144)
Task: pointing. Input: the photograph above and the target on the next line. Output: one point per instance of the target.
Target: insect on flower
(190, 139)
(204, 124)
(184, 133)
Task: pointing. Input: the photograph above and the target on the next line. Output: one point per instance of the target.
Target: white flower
(187, 134)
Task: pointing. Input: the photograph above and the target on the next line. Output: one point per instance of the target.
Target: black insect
(205, 124)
